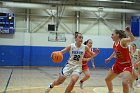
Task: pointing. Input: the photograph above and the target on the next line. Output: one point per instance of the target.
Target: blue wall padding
(11, 56)
(41, 56)
(26, 56)
(99, 60)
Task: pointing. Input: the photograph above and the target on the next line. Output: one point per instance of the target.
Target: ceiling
(132, 4)
(122, 6)
(85, 6)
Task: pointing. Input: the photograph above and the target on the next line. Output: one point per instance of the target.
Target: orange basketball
(57, 57)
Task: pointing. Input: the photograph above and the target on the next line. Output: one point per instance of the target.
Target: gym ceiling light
(119, 1)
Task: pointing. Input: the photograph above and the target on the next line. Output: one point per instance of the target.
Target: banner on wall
(135, 25)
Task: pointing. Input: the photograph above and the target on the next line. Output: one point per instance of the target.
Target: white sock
(51, 86)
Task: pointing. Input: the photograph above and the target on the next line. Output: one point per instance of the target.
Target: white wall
(16, 39)
(41, 39)
(100, 41)
(97, 30)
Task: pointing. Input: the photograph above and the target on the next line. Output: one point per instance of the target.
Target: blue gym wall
(40, 56)
(25, 49)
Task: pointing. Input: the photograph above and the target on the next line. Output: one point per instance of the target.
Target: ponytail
(121, 33)
(85, 43)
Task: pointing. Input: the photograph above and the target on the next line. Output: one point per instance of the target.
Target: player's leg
(126, 80)
(139, 68)
(74, 78)
(57, 82)
(134, 77)
(108, 79)
(64, 73)
(86, 77)
(138, 81)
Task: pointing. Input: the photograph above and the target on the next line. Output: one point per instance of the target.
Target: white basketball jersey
(76, 54)
(136, 55)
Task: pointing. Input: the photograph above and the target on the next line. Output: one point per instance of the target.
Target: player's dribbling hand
(107, 60)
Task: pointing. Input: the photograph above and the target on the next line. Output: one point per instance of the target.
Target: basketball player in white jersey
(136, 60)
(73, 68)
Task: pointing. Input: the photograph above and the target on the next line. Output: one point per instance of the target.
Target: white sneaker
(48, 89)
(138, 86)
(81, 85)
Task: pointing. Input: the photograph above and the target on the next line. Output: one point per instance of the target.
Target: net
(57, 37)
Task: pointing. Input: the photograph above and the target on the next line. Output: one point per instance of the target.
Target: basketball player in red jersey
(86, 58)
(123, 62)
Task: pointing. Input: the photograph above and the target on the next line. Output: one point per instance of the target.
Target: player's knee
(107, 79)
(75, 77)
(125, 82)
(74, 80)
(88, 76)
(72, 83)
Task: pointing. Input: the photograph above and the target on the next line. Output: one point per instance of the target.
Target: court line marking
(8, 82)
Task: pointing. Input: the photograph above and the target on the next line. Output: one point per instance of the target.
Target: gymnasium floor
(36, 79)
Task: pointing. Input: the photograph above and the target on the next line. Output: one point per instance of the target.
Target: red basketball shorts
(119, 68)
(85, 67)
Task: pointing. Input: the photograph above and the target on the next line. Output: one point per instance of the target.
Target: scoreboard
(7, 23)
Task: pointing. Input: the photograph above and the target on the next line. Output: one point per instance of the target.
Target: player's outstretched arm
(108, 59)
(96, 52)
(92, 54)
(131, 37)
(66, 49)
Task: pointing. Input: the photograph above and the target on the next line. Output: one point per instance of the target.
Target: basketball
(57, 57)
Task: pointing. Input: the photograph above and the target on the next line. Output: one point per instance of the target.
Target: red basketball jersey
(86, 55)
(122, 54)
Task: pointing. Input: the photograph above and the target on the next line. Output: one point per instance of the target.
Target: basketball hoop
(57, 37)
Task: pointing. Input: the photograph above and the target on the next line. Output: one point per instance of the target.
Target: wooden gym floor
(36, 79)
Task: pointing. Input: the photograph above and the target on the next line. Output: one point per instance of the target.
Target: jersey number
(118, 54)
(135, 57)
(76, 57)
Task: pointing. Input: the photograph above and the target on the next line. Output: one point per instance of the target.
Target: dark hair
(85, 43)
(76, 34)
(121, 33)
(133, 44)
